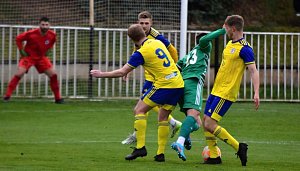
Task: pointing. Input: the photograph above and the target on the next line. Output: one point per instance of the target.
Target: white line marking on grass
(275, 142)
(264, 110)
(297, 143)
(63, 111)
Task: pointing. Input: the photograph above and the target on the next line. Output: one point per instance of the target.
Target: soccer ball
(206, 153)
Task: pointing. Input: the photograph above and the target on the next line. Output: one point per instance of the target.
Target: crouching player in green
(193, 69)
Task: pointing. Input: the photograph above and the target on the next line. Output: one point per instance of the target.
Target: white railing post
(279, 69)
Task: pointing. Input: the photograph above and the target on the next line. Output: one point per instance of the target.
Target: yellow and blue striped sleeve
(247, 55)
(136, 59)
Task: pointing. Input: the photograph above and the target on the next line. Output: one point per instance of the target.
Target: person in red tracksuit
(39, 43)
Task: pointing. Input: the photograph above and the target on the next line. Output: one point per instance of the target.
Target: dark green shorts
(192, 98)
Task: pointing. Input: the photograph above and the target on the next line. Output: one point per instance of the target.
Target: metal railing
(277, 58)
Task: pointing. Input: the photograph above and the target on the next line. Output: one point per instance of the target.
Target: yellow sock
(147, 114)
(170, 117)
(156, 109)
(226, 137)
(163, 132)
(211, 141)
(140, 125)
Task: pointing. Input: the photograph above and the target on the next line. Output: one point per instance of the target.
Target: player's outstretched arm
(173, 52)
(204, 41)
(112, 74)
(255, 78)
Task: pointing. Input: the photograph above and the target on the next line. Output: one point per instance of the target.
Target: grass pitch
(86, 135)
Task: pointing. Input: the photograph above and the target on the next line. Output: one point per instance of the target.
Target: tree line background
(259, 15)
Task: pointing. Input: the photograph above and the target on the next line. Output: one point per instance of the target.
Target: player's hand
(23, 53)
(49, 53)
(96, 73)
(125, 77)
(225, 27)
(256, 101)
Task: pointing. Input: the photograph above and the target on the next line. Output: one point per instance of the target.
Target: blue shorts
(216, 107)
(147, 85)
(166, 98)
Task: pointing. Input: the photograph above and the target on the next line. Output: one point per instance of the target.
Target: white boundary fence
(277, 57)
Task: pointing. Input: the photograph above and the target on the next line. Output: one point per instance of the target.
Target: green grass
(86, 135)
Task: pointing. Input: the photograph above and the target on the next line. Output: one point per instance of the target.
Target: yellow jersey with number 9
(154, 34)
(157, 61)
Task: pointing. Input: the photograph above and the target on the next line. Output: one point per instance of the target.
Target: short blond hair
(136, 32)
(145, 14)
(235, 20)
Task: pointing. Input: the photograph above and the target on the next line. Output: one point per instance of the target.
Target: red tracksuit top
(36, 44)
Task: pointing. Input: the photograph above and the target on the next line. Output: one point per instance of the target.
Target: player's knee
(21, 71)
(209, 124)
(50, 73)
(20, 74)
(137, 111)
(54, 76)
(162, 118)
(194, 113)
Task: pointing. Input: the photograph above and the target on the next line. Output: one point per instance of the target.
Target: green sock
(187, 126)
(195, 127)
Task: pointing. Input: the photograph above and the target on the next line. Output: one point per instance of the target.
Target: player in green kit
(193, 69)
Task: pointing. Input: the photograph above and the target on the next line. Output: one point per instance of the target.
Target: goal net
(77, 48)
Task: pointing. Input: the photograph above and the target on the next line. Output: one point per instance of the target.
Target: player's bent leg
(222, 134)
(140, 125)
(11, 87)
(163, 132)
(185, 131)
(131, 138)
(175, 125)
(55, 88)
(54, 85)
(183, 140)
(14, 82)
(189, 125)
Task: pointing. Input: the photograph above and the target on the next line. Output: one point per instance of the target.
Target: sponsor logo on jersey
(172, 75)
(232, 50)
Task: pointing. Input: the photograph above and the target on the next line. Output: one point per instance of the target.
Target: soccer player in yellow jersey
(237, 55)
(166, 90)
(146, 21)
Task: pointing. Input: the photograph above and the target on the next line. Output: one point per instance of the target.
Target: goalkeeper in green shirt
(193, 68)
